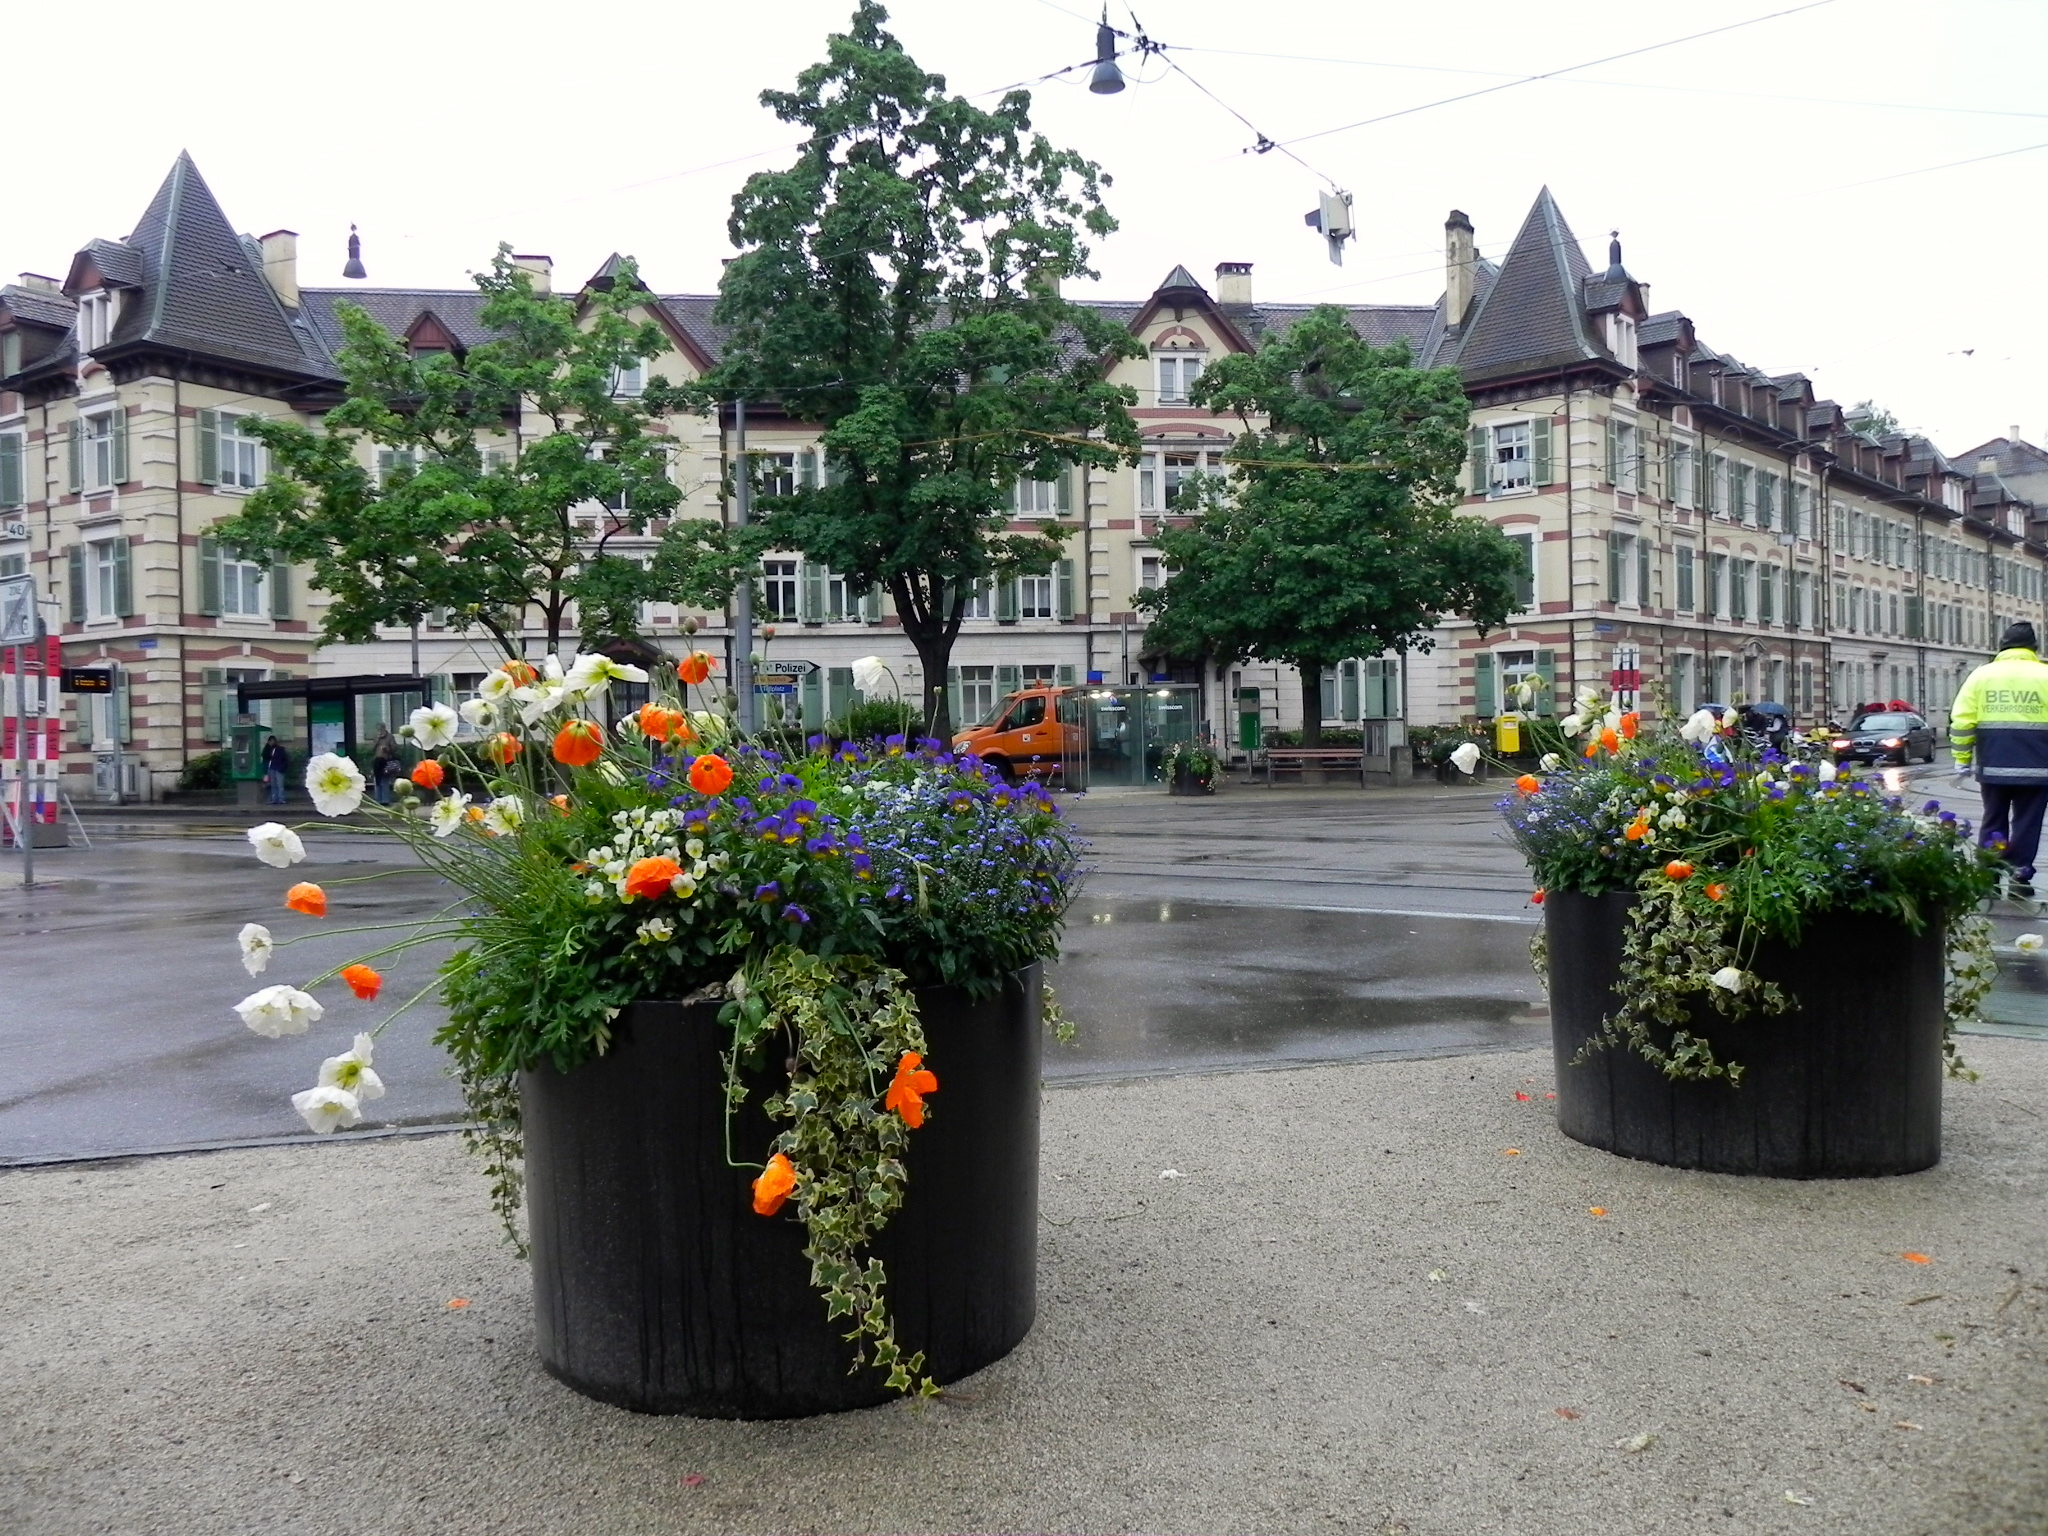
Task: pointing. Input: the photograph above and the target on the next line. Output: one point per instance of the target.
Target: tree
(899, 287)
(1872, 420)
(443, 520)
(1338, 533)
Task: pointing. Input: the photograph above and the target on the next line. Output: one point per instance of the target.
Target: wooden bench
(1301, 759)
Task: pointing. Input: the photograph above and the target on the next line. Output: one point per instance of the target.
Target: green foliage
(1197, 758)
(208, 771)
(878, 719)
(1872, 420)
(1338, 534)
(490, 540)
(899, 285)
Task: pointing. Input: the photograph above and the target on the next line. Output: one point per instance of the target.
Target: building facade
(1696, 530)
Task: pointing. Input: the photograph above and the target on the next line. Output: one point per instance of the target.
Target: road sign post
(19, 627)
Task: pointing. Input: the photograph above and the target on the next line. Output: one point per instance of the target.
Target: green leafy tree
(899, 287)
(1338, 533)
(1872, 420)
(434, 518)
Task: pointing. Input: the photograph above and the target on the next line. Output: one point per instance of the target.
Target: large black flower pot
(1847, 1084)
(656, 1287)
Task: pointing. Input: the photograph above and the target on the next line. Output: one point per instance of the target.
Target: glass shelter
(1113, 737)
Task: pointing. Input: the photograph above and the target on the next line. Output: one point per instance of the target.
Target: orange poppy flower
(1630, 724)
(1592, 749)
(1716, 892)
(1609, 742)
(710, 774)
(308, 898)
(1528, 783)
(428, 774)
(906, 1093)
(362, 980)
(1537, 895)
(560, 803)
(578, 743)
(651, 878)
(503, 747)
(520, 673)
(774, 1185)
(694, 668)
(1637, 830)
(1678, 869)
(656, 723)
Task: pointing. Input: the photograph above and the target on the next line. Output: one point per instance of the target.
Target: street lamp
(1107, 79)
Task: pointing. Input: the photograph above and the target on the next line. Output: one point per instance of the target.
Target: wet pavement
(1258, 928)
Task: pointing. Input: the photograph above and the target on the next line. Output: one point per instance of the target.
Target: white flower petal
(277, 845)
(1466, 758)
(256, 947)
(448, 813)
(434, 726)
(335, 783)
(1729, 979)
(2029, 943)
(280, 1010)
(869, 674)
(325, 1108)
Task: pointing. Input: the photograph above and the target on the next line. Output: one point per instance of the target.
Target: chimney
(43, 284)
(2012, 434)
(1458, 264)
(1234, 284)
(1987, 464)
(540, 268)
(281, 265)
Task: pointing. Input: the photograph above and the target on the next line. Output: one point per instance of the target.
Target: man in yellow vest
(1999, 724)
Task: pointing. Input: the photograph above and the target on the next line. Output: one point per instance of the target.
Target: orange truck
(1026, 735)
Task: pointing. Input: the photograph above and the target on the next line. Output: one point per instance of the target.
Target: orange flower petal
(1511, 1152)
(1596, 1210)
(651, 879)
(428, 774)
(308, 898)
(578, 743)
(694, 668)
(710, 774)
(364, 981)
(457, 1303)
(1916, 1258)
(1528, 783)
(772, 1188)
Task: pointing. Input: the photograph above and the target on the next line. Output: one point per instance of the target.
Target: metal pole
(22, 829)
(743, 595)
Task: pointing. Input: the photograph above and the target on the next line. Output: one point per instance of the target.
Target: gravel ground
(1353, 1310)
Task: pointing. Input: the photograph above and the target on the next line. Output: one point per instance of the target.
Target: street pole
(22, 830)
(743, 595)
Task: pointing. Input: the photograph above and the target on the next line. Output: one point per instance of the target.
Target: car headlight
(1891, 741)
(1842, 744)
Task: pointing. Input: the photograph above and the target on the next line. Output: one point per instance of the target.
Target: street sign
(18, 610)
(775, 685)
(786, 668)
(87, 680)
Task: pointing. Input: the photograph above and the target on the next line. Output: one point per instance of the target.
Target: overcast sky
(1759, 178)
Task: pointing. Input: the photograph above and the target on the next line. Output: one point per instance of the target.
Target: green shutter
(1546, 668)
(807, 469)
(871, 606)
(811, 609)
(1373, 704)
(1347, 691)
(1539, 451)
(1482, 685)
(953, 698)
(1006, 601)
(209, 447)
(1613, 451)
(212, 685)
(280, 590)
(1614, 567)
(124, 585)
(1642, 572)
(1476, 468)
(1008, 681)
(117, 428)
(124, 704)
(209, 576)
(74, 456)
(74, 560)
(811, 694)
(1065, 588)
(10, 470)
(1066, 674)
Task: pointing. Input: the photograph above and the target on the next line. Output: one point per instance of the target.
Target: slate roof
(1661, 328)
(1532, 317)
(119, 263)
(396, 309)
(37, 306)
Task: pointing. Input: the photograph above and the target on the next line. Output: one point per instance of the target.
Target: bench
(1301, 759)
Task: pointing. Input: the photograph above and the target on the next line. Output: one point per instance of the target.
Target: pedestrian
(1998, 724)
(277, 762)
(384, 765)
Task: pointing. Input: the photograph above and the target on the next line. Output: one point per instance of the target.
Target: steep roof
(38, 306)
(1532, 317)
(397, 310)
(199, 290)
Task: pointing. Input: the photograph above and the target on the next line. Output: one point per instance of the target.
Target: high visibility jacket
(2000, 720)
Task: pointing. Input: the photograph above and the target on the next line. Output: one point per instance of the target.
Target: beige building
(1691, 523)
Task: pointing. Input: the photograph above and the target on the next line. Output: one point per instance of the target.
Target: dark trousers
(2012, 815)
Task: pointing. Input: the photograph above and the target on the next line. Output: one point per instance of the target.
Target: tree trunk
(934, 655)
(1311, 704)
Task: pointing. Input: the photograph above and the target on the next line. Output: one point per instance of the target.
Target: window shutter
(1008, 681)
(1065, 609)
(1539, 451)
(123, 705)
(953, 698)
(1006, 601)
(124, 586)
(811, 697)
(1373, 705)
(807, 469)
(1066, 674)
(74, 456)
(1613, 452)
(74, 560)
(209, 447)
(280, 590)
(10, 470)
(812, 610)
(1546, 669)
(212, 685)
(871, 606)
(1482, 685)
(1614, 567)
(1065, 483)
(209, 576)
(1347, 690)
(1476, 468)
(1642, 572)
(117, 428)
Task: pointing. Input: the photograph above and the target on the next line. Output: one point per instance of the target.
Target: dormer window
(95, 320)
(10, 353)
(1621, 339)
(1177, 374)
(630, 382)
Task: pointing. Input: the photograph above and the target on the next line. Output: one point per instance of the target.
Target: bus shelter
(329, 707)
(1116, 737)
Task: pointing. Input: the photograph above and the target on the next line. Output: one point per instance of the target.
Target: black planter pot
(1184, 782)
(1847, 1084)
(657, 1288)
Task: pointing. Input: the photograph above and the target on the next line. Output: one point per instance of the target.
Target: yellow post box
(1507, 734)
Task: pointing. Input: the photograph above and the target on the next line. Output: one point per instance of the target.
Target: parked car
(1890, 736)
(1027, 734)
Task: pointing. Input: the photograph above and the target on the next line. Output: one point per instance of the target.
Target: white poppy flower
(539, 701)
(594, 672)
(335, 783)
(256, 947)
(448, 812)
(323, 1109)
(504, 815)
(1550, 762)
(1700, 726)
(482, 713)
(1827, 772)
(277, 845)
(278, 1011)
(497, 687)
(712, 729)
(434, 726)
(1571, 725)
(351, 1072)
(2029, 943)
(1729, 979)
(1466, 758)
(656, 930)
(869, 674)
